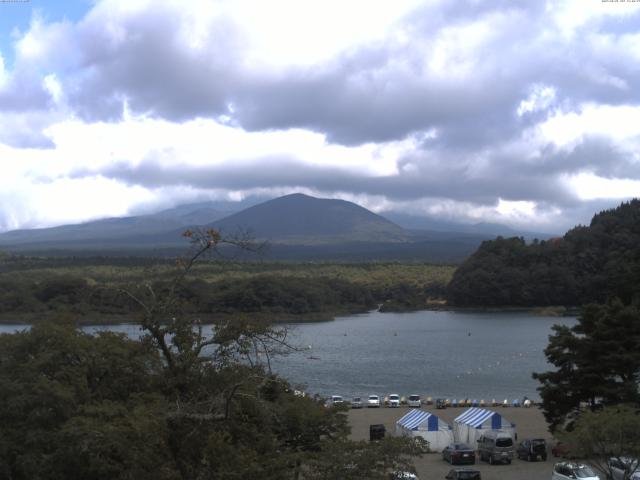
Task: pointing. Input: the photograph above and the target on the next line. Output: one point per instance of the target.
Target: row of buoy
(467, 402)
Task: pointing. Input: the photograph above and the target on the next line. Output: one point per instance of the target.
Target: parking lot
(529, 422)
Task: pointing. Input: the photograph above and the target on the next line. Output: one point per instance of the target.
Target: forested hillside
(588, 264)
(33, 289)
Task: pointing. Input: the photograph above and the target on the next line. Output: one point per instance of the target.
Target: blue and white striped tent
(469, 426)
(418, 423)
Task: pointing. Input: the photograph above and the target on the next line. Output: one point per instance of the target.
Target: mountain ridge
(297, 226)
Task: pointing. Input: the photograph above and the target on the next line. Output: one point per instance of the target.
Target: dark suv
(532, 449)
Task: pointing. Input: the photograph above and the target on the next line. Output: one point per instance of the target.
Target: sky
(523, 113)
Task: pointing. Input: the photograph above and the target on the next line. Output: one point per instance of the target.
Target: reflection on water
(441, 354)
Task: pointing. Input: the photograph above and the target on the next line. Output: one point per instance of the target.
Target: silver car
(573, 471)
(619, 466)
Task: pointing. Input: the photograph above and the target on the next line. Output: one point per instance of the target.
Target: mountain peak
(302, 218)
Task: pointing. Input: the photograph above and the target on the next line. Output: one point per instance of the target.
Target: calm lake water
(440, 354)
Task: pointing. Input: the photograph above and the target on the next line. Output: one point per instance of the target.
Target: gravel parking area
(529, 422)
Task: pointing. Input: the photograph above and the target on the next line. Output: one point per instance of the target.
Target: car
(394, 400)
(414, 401)
(572, 471)
(463, 474)
(373, 401)
(441, 403)
(403, 476)
(496, 446)
(336, 400)
(619, 466)
(457, 453)
(532, 449)
(377, 432)
(356, 402)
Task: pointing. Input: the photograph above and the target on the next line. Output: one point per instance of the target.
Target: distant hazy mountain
(120, 228)
(492, 230)
(301, 219)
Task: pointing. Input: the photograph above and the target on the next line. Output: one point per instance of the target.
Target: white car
(404, 476)
(394, 400)
(373, 401)
(414, 401)
(618, 467)
(573, 471)
(336, 400)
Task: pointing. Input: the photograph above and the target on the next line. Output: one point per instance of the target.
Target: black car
(457, 453)
(532, 449)
(463, 474)
(441, 403)
(376, 432)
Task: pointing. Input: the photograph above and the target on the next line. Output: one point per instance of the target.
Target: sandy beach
(529, 422)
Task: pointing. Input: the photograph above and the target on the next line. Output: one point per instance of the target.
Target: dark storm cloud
(375, 93)
(415, 180)
(151, 66)
(23, 95)
(385, 92)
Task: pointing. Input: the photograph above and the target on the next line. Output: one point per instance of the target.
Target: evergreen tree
(597, 363)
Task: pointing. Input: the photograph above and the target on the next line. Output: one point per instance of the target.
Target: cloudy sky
(522, 112)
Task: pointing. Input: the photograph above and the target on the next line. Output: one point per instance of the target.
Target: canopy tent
(469, 426)
(418, 423)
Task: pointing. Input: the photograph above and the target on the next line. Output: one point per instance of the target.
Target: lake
(435, 353)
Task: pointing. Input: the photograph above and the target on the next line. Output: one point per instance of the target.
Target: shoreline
(93, 319)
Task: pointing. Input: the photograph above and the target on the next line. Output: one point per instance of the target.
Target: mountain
(122, 229)
(491, 230)
(296, 227)
(301, 219)
(592, 263)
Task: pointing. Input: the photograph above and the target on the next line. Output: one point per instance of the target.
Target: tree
(610, 433)
(181, 403)
(588, 264)
(597, 363)
(73, 405)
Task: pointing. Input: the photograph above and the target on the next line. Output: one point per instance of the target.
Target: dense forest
(589, 264)
(176, 404)
(91, 289)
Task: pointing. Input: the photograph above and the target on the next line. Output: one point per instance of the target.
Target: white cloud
(589, 186)
(572, 15)
(540, 98)
(617, 122)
